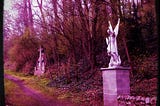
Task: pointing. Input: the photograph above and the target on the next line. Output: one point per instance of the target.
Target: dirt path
(39, 97)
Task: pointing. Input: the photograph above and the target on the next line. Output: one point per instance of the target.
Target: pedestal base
(115, 82)
(38, 72)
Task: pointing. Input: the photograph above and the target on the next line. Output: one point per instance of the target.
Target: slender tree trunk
(86, 35)
(25, 14)
(40, 5)
(54, 2)
(126, 50)
(30, 18)
(94, 33)
(119, 9)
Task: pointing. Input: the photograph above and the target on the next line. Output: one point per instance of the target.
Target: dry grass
(40, 85)
(14, 96)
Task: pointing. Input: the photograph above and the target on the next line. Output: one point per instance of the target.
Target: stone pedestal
(39, 72)
(116, 82)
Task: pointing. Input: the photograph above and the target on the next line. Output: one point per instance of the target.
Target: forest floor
(22, 94)
(29, 90)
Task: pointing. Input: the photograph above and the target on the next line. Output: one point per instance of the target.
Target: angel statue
(112, 51)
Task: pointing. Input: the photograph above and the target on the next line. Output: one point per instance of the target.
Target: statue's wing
(110, 26)
(117, 27)
(107, 41)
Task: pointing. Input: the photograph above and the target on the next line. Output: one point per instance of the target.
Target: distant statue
(112, 51)
(40, 67)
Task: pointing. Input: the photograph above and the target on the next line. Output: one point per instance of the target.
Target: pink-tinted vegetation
(73, 34)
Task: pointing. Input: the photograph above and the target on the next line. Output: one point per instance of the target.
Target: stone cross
(40, 68)
(41, 63)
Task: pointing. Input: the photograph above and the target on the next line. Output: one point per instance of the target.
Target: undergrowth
(40, 85)
(14, 96)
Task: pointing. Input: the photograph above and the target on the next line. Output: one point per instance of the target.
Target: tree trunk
(54, 2)
(25, 14)
(30, 18)
(40, 5)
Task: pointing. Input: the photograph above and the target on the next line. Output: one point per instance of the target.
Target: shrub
(24, 52)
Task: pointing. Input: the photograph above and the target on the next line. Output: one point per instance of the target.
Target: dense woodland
(73, 34)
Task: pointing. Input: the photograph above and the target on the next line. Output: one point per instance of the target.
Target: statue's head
(109, 53)
(108, 31)
(111, 34)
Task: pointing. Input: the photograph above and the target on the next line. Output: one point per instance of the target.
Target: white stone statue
(40, 68)
(112, 51)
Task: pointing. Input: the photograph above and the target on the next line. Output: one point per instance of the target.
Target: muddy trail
(37, 96)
